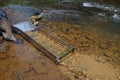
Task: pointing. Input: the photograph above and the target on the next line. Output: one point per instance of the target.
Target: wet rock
(102, 6)
(103, 10)
(116, 17)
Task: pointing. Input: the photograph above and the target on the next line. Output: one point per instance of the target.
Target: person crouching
(5, 26)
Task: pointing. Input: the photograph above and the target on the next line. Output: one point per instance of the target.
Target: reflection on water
(102, 6)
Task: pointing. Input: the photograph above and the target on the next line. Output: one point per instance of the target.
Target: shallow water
(24, 62)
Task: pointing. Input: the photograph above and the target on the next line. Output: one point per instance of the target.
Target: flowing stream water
(23, 61)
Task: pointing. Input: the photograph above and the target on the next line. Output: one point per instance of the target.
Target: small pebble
(76, 77)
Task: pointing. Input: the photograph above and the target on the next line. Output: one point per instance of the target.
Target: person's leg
(8, 32)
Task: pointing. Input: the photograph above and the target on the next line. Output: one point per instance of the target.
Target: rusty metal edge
(56, 59)
(36, 45)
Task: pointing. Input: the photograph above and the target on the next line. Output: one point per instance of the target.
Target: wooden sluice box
(52, 47)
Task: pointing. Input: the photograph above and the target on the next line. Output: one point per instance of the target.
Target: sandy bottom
(96, 56)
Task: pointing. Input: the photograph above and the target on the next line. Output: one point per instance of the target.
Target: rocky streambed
(94, 36)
